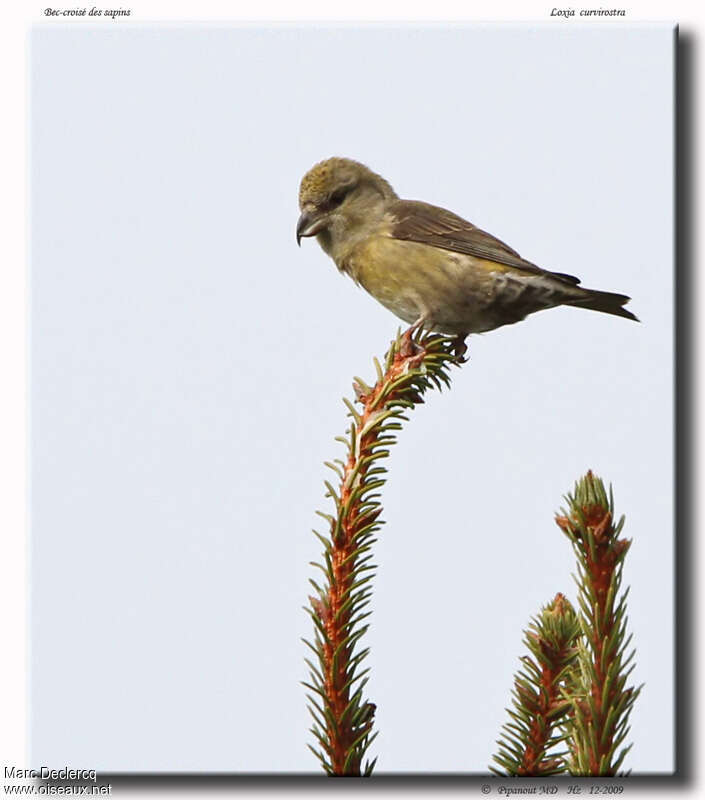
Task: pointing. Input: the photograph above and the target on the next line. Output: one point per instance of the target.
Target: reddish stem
(599, 573)
(342, 733)
(543, 705)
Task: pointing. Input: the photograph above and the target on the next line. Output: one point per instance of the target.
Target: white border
(14, 25)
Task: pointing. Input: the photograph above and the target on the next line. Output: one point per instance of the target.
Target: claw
(408, 346)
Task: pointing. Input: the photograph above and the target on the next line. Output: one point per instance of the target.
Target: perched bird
(428, 266)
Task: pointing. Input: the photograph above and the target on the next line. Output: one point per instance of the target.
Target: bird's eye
(337, 197)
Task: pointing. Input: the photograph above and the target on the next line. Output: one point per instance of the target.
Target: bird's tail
(607, 302)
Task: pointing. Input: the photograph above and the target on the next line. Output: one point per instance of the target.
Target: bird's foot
(408, 346)
(460, 348)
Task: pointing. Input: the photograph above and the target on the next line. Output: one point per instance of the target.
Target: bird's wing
(427, 224)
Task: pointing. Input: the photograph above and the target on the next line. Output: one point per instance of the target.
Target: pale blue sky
(187, 365)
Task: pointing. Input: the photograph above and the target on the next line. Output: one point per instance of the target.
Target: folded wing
(420, 222)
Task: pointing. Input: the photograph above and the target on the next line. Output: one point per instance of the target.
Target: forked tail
(607, 302)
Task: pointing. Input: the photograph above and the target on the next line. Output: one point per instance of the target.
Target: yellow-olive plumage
(425, 264)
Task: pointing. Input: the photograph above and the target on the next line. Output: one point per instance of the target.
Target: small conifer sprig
(600, 700)
(342, 717)
(530, 738)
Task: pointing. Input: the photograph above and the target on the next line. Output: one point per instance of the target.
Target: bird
(431, 268)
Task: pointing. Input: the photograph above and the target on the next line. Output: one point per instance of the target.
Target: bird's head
(339, 197)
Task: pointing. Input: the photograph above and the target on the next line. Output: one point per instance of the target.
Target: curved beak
(308, 225)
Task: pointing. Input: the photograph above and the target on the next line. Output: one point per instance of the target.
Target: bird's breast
(412, 279)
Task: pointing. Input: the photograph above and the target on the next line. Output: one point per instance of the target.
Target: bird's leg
(408, 347)
(460, 348)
